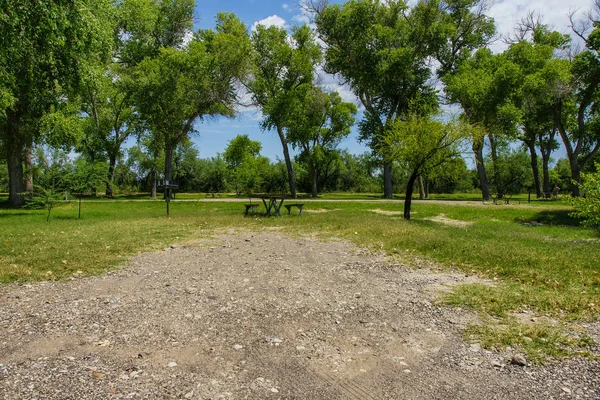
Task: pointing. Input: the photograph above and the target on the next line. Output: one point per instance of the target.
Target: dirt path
(259, 316)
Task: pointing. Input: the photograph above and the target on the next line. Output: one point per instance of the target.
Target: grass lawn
(541, 260)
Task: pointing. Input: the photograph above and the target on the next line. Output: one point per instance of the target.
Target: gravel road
(260, 316)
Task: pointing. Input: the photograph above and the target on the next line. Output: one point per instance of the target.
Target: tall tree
(46, 46)
(320, 121)
(485, 85)
(383, 49)
(143, 27)
(535, 55)
(182, 86)
(576, 113)
(284, 66)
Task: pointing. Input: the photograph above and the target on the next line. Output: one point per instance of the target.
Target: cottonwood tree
(182, 86)
(485, 86)
(535, 50)
(384, 50)
(576, 113)
(46, 47)
(320, 122)
(107, 95)
(284, 66)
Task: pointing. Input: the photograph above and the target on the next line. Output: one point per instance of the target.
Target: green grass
(539, 257)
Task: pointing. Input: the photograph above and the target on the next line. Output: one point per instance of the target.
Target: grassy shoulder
(542, 261)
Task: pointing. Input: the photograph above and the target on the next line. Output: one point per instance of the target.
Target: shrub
(588, 205)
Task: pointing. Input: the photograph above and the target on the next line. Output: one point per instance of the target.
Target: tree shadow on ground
(552, 217)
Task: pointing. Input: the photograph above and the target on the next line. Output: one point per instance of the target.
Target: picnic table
(273, 202)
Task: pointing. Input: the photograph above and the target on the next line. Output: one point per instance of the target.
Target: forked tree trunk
(535, 168)
(546, 151)
(546, 174)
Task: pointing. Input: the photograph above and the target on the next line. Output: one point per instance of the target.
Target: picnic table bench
(297, 205)
(252, 206)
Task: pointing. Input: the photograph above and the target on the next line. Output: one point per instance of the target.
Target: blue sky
(214, 135)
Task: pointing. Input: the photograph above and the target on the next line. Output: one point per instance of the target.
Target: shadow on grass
(64, 217)
(553, 217)
(12, 214)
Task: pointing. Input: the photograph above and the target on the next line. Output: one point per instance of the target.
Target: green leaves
(283, 67)
(588, 207)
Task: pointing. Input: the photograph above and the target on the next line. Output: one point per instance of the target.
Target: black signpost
(169, 187)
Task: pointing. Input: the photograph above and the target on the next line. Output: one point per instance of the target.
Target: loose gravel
(260, 316)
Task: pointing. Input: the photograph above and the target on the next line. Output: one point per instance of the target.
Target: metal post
(168, 200)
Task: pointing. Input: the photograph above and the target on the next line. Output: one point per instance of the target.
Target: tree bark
(409, 192)
(29, 171)
(546, 151)
(315, 175)
(288, 162)
(535, 168)
(15, 151)
(388, 184)
(478, 151)
(575, 176)
(422, 194)
(112, 166)
(153, 176)
(494, 155)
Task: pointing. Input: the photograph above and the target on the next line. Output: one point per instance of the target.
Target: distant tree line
(80, 78)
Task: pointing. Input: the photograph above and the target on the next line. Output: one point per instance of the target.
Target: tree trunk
(535, 168)
(315, 175)
(478, 151)
(494, 154)
(288, 162)
(422, 194)
(409, 192)
(14, 160)
(112, 166)
(153, 176)
(388, 184)
(575, 176)
(29, 171)
(546, 173)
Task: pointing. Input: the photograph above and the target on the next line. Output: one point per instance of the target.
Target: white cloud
(187, 38)
(305, 16)
(285, 6)
(273, 20)
(554, 13)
